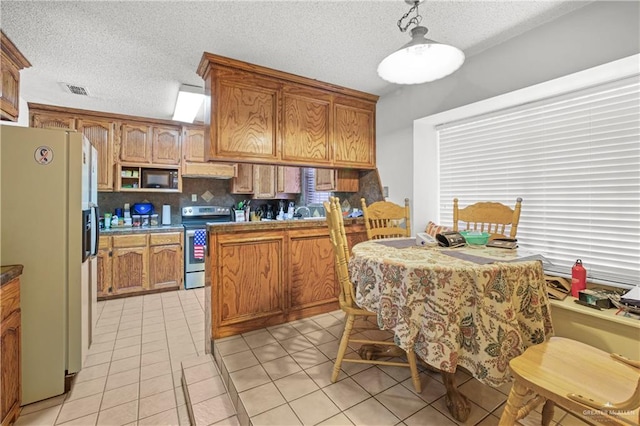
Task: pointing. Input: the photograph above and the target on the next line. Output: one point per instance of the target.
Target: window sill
(605, 314)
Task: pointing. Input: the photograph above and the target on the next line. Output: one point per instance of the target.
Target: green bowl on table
(475, 238)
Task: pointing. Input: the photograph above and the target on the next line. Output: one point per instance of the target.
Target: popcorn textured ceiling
(133, 55)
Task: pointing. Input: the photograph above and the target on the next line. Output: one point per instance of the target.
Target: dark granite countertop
(269, 225)
(10, 272)
(141, 230)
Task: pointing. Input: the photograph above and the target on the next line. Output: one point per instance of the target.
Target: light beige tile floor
(280, 375)
(132, 374)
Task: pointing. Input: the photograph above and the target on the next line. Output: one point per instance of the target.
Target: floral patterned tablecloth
(452, 307)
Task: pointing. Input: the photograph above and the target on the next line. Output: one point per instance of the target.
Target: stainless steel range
(194, 220)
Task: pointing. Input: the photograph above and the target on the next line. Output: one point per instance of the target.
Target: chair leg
(413, 366)
(514, 402)
(348, 326)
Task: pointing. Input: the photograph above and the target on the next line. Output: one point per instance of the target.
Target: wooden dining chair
(384, 219)
(494, 218)
(601, 387)
(348, 305)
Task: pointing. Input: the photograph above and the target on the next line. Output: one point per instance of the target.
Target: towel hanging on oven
(199, 242)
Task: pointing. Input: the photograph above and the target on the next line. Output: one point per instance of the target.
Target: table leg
(547, 412)
(457, 403)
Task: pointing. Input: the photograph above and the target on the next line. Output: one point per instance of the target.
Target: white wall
(598, 33)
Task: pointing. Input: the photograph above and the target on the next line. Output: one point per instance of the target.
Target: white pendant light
(421, 60)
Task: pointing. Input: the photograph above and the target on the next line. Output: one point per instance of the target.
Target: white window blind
(312, 196)
(575, 161)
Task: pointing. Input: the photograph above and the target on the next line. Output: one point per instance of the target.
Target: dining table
(474, 307)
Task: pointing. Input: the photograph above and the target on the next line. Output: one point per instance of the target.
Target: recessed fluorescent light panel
(188, 103)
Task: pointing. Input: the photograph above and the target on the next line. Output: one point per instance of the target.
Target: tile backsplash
(215, 192)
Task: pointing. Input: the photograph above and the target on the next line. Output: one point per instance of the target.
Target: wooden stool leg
(348, 326)
(514, 402)
(547, 412)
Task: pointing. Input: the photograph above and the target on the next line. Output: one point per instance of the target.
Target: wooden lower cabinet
(312, 280)
(165, 260)
(249, 280)
(264, 278)
(139, 263)
(130, 263)
(104, 266)
(10, 332)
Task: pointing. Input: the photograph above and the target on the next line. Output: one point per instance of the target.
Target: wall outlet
(385, 191)
(194, 197)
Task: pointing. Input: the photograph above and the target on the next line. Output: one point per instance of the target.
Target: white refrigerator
(49, 224)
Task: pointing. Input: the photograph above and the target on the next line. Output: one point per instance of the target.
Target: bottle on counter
(578, 278)
(107, 220)
(114, 221)
(290, 211)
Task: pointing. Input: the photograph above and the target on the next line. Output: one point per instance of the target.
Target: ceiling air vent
(75, 90)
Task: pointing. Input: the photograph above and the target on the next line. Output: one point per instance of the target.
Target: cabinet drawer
(165, 238)
(104, 242)
(9, 298)
(139, 240)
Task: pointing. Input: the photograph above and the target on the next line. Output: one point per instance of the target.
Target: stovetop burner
(193, 216)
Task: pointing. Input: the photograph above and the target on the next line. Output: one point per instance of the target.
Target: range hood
(210, 170)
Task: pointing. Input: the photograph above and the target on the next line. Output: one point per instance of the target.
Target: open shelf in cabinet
(131, 178)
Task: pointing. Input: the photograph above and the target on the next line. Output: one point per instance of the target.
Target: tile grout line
(107, 375)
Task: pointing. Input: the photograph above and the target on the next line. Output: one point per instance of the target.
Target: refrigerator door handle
(95, 229)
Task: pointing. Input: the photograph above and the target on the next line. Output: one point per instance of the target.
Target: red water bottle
(578, 278)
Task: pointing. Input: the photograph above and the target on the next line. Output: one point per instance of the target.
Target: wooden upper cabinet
(325, 180)
(246, 117)
(165, 146)
(288, 180)
(338, 180)
(135, 146)
(306, 125)
(243, 182)
(262, 115)
(264, 181)
(193, 145)
(44, 120)
(101, 134)
(354, 133)
(11, 62)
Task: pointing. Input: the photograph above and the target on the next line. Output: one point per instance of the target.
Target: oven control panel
(205, 211)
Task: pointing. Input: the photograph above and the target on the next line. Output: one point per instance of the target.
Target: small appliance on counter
(166, 214)
(142, 209)
(269, 214)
